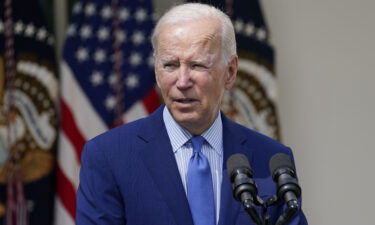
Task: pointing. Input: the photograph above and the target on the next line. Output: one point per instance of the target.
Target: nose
(184, 79)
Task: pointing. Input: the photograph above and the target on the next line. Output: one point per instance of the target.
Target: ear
(231, 72)
(157, 77)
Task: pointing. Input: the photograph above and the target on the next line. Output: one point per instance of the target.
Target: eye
(198, 66)
(170, 65)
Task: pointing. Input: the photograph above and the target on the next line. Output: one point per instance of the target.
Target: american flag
(106, 79)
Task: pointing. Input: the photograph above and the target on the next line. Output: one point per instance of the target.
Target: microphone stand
(264, 218)
(250, 208)
(291, 210)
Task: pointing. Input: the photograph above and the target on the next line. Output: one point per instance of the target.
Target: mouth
(186, 101)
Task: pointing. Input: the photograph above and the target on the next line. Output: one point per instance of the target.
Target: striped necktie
(199, 186)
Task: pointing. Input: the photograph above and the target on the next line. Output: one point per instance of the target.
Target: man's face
(190, 72)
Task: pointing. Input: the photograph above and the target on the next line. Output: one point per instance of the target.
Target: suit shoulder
(261, 142)
(118, 136)
(131, 129)
(261, 148)
(126, 129)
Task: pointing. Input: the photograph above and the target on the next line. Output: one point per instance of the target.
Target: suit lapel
(233, 142)
(161, 163)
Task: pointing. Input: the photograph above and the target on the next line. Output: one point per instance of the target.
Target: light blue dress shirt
(212, 148)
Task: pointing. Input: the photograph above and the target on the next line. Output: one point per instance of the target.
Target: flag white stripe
(68, 154)
(61, 215)
(87, 119)
(137, 111)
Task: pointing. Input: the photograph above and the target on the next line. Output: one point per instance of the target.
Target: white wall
(325, 62)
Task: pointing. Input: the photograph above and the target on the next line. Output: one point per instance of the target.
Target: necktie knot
(197, 142)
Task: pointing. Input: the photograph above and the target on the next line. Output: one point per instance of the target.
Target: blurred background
(312, 63)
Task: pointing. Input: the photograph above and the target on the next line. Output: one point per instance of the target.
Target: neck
(196, 128)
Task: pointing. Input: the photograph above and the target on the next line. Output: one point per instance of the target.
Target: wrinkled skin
(191, 73)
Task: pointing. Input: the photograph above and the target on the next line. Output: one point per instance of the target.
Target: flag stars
(135, 59)
(124, 14)
(30, 30)
(261, 34)
(112, 79)
(138, 37)
(85, 31)
(132, 81)
(18, 28)
(106, 12)
(99, 56)
(103, 33)
(96, 78)
(150, 61)
(140, 15)
(238, 25)
(41, 34)
(117, 57)
(90, 9)
(82, 54)
(110, 102)
(249, 29)
(72, 30)
(120, 36)
(77, 8)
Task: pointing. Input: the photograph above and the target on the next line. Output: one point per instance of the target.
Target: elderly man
(169, 168)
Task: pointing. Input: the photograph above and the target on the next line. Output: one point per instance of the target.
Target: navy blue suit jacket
(129, 175)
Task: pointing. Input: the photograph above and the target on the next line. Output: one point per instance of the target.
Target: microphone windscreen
(280, 160)
(237, 161)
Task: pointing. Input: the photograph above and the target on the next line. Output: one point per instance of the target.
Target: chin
(185, 118)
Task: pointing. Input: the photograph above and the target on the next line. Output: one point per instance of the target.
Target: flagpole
(16, 211)
(117, 63)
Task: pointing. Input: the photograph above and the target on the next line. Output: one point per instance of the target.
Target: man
(169, 168)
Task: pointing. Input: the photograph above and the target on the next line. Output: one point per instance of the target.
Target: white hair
(195, 11)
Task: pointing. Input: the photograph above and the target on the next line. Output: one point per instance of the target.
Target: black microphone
(244, 187)
(283, 173)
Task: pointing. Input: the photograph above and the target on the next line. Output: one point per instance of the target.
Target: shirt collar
(179, 136)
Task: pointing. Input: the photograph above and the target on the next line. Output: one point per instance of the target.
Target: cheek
(214, 91)
(165, 82)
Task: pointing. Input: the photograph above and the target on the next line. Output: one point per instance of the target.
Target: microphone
(283, 173)
(244, 187)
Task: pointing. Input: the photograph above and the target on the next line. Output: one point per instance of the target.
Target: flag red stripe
(71, 130)
(66, 193)
(151, 101)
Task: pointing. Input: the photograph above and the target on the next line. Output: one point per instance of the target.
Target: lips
(185, 100)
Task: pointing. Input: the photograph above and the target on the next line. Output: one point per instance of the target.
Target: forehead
(203, 34)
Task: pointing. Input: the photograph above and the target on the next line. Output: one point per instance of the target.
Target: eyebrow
(165, 60)
(208, 60)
